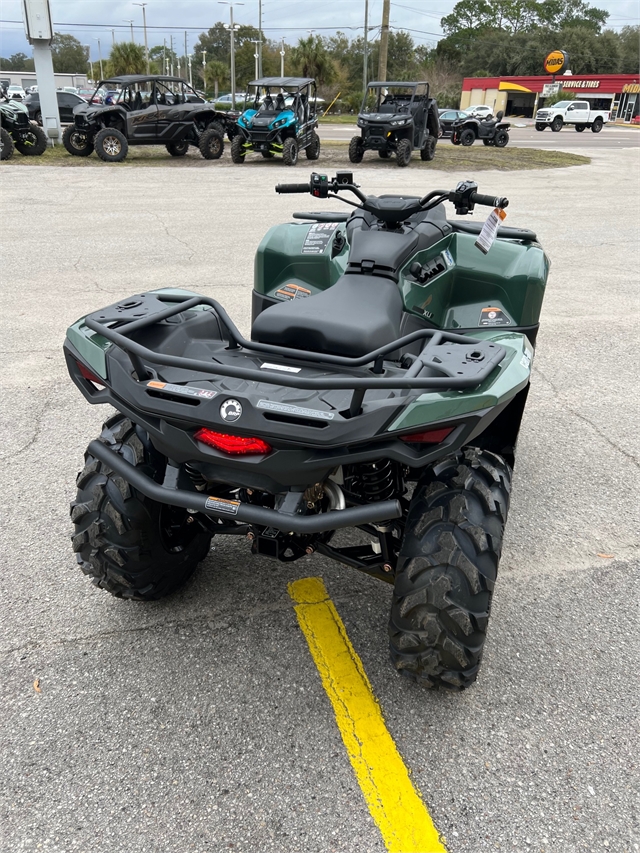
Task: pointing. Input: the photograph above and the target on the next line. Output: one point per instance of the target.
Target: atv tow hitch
(242, 512)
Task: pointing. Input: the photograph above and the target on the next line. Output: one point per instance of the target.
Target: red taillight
(87, 374)
(236, 445)
(430, 436)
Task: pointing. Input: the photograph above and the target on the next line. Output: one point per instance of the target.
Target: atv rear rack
(462, 366)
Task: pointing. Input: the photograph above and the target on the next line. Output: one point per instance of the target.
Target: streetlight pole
(365, 65)
(190, 72)
(282, 59)
(113, 37)
(171, 37)
(100, 57)
(256, 56)
(260, 37)
(232, 29)
(144, 24)
(130, 22)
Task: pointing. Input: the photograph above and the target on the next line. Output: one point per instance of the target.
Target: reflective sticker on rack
(267, 366)
(222, 505)
(294, 410)
(492, 316)
(448, 257)
(292, 291)
(184, 390)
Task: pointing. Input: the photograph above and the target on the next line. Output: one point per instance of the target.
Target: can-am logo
(230, 410)
(555, 61)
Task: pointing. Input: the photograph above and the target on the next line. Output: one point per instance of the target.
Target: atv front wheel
(429, 150)
(467, 138)
(447, 569)
(211, 143)
(77, 142)
(290, 151)
(501, 139)
(111, 145)
(177, 149)
(128, 544)
(313, 149)
(403, 152)
(237, 149)
(35, 144)
(356, 150)
(6, 144)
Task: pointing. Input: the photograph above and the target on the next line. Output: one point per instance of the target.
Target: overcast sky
(89, 20)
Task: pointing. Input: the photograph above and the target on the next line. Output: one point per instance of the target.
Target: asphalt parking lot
(200, 723)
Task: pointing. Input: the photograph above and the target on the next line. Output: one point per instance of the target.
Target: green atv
(381, 391)
(17, 132)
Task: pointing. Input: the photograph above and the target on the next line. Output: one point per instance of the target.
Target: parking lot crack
(46, 403)
(174, 237)
(586, 420)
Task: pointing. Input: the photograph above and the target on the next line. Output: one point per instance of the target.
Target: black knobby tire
(384, 155)
(77, 142)
(6, 144)
(596, 127)
(290, 151)
(237, 150)
(35, 144)
(580, 128)
(488, 142)
(128, 544)
(177, 149)
(428, 151)
(111, 145)
(312, 150)
(501, 139)
(211, 143)
(356, 150)
(403, 153)
(540, 127)
(447, 569)
(556, 124)
(467, 137)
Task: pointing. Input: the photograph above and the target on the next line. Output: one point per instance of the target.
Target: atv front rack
(460, 362)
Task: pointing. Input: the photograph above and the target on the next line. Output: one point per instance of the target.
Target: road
(529, 137)
(200, 723)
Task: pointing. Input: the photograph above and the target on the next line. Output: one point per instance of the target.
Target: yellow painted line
(394, 802)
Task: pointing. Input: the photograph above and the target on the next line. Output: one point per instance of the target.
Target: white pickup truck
(576, 113)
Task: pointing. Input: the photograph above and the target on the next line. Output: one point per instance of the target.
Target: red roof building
(521, 96)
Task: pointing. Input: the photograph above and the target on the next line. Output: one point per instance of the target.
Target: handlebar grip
(293, 188)
(489, 200)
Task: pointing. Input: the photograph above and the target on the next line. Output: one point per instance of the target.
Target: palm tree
(126, 58)
(310, 59)
(216, 74)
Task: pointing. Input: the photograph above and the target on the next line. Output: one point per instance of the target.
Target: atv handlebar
(394, 209)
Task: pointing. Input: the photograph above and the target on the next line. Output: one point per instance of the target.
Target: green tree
(126, 58)
(561, 14)
(17, 62)
(310, 58)
(68, 54)
(217, 76)
(629, 38)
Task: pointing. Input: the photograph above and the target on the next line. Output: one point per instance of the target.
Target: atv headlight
(399, 121)
(279, 122)
(361, 122)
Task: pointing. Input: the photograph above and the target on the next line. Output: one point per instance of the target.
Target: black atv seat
(357, 315)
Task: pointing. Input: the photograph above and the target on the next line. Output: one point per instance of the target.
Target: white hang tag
(490, 229)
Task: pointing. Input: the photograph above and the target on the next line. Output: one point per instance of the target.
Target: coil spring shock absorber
(380, 480)
(198, 480)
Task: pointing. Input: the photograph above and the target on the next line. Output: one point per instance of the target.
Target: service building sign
(556, 61)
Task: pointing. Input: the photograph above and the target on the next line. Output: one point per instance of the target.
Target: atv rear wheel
(313, 149)
(35, 144)
(211, 143)
(111, 145)
(501, 139)
(6, 144)
(356, 150)
(467, 137)
(403, 152)
(177, 149)
(237, 150)
(290, 151)
(447, 569)
(428, 152)
(77, 142)
(127, 543)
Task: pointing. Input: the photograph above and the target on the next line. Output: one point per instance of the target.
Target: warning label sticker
(222, 505)
(318, 238)
(292, 291)
(184, 390)
(491, 316)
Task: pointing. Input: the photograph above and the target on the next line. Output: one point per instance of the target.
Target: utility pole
(232, 30)
(144, 24)
(130, 22)
(164, 56)
(365, 65)
(113, 37)
(100, 56)
(186, 60)
(282, 59)
(384, 41)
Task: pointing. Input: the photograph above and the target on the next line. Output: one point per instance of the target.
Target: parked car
(16, 93)
(241, 97)
(66, 104)
(480, 111)
(91, 96)
(447, 117)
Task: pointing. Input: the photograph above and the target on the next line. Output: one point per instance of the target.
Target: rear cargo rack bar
(491, 356)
